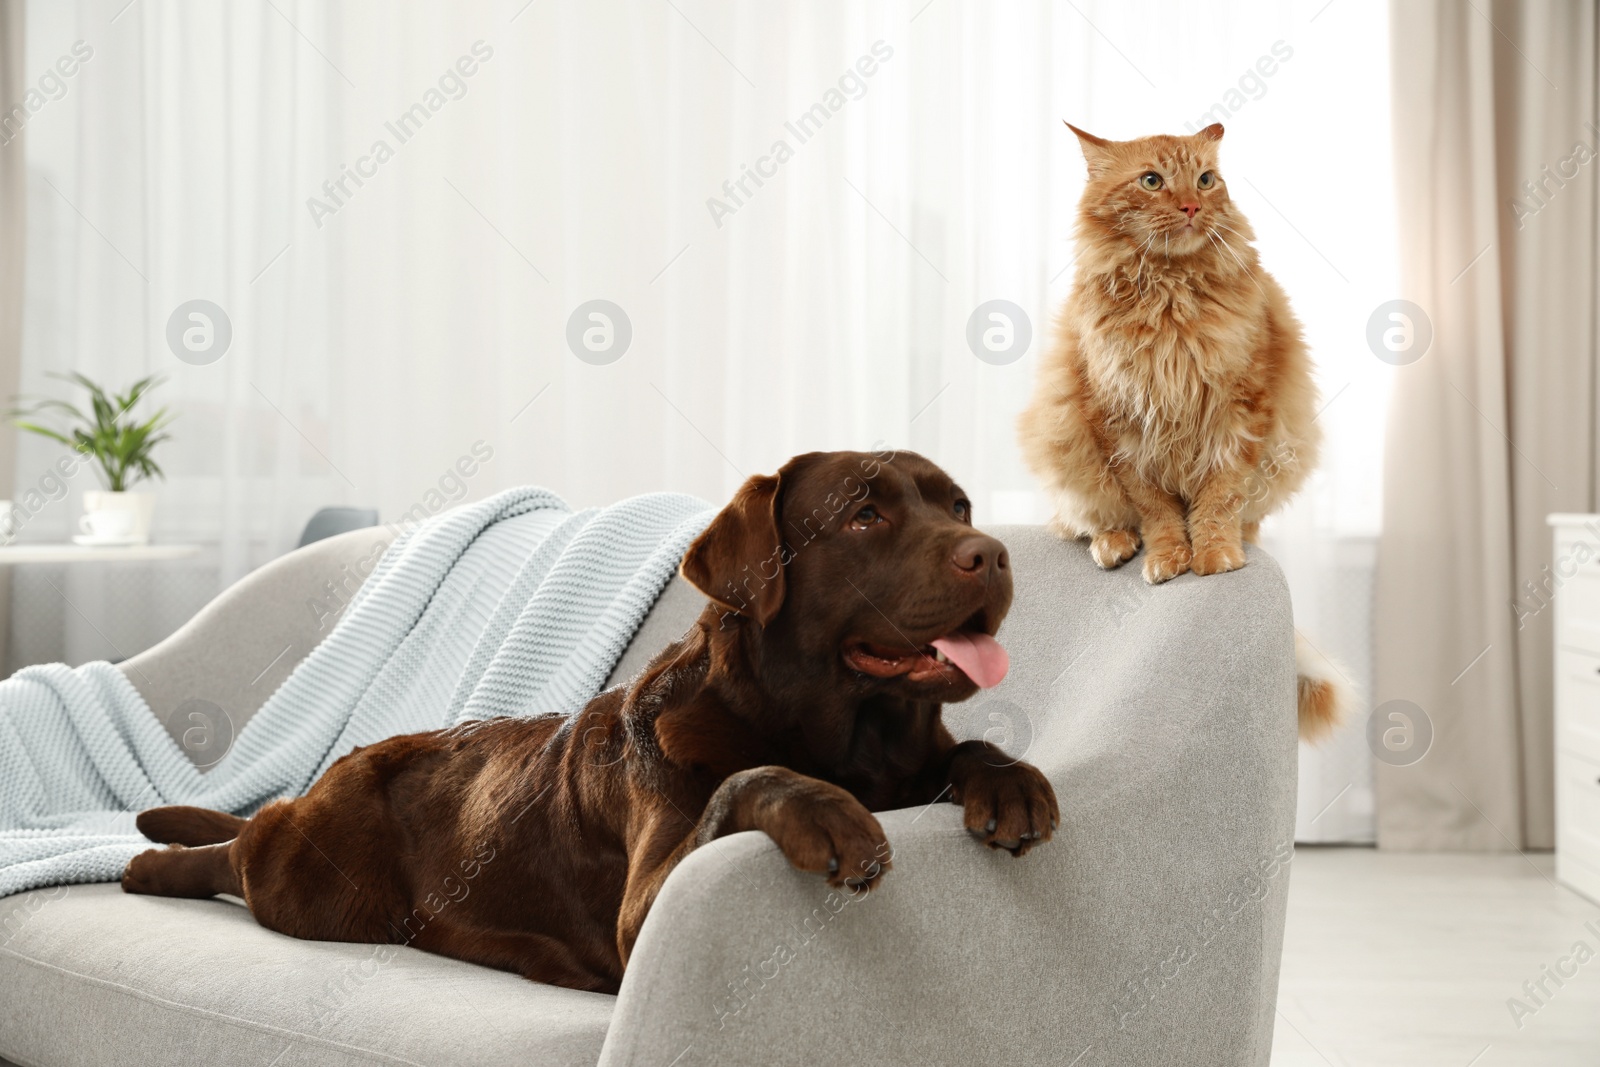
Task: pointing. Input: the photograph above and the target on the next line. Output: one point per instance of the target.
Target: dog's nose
(977, 555)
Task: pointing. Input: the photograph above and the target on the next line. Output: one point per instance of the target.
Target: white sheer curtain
(383, 332)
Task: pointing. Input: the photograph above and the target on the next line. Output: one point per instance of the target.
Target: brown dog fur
(801, 698)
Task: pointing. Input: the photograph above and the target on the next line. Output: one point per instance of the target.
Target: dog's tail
(181, 825)
(1322, 692)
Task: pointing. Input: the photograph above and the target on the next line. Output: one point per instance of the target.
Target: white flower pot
(117, 517)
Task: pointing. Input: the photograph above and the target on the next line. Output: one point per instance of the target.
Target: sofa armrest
(240, 647)
(1153, 921)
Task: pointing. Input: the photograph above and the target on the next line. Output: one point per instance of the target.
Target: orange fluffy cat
(1177, 408)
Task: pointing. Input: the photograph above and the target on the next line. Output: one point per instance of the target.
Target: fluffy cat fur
(1176, 409)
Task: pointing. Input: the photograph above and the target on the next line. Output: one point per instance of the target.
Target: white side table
(11, 555)
(1572, 587)
(74, 603)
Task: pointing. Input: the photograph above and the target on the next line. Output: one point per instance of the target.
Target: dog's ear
(738, 560)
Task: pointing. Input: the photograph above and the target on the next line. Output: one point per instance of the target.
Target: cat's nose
(1189, 209)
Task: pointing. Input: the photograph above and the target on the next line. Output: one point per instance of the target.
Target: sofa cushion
(92, 976)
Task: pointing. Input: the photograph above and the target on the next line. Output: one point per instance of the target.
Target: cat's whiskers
(1214, 239)
(1223, 241)
(1140, 272)
(1229, 229)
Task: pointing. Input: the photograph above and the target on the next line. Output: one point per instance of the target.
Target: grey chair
(1148, 932)
(330, 522)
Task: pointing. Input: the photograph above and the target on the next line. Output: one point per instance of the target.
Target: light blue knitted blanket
(511, 606)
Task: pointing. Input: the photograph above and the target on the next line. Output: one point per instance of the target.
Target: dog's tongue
(979, 656)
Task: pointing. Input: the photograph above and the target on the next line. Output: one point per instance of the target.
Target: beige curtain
(1493, 428)
(13, 240)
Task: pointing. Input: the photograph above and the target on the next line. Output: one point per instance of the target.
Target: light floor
(1409, 960)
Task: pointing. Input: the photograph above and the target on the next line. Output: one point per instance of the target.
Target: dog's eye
(867, 516)
(964, 510)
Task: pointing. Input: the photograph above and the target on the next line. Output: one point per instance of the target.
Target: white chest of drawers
(1572, 589)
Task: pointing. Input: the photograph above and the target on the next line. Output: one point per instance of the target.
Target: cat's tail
(1322, 691)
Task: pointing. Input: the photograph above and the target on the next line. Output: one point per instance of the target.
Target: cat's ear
(1212, 132)
(1096, 150)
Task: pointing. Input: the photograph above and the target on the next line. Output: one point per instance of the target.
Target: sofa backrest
(240, 647)
(670, 618)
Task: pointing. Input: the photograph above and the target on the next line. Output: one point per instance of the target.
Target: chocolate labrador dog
(850, 597)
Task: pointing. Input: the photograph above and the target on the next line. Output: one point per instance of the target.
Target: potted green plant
(119, 443)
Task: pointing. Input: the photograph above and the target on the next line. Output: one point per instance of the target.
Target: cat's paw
(1217, 557)
(1061, 529)
(1166, 559)
(1113, 548)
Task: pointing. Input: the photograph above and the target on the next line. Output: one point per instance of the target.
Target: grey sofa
(1148, 932)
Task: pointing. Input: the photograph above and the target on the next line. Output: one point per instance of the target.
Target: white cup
(107, 525)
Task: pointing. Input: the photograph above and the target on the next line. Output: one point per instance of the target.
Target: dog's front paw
(1166, 557)
(1011, 807)
(830, 832)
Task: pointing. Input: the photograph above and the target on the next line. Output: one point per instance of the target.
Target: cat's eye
(1207, 180)
(867, 516)
(1151, 180)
